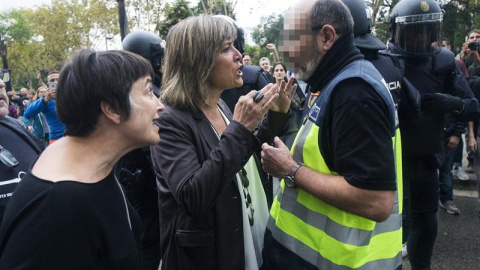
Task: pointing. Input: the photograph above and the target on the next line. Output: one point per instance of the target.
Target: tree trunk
(3, 53)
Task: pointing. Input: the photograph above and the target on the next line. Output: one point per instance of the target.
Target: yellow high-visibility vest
(322, 234)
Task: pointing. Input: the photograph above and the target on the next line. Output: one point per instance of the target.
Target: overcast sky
(249, 12)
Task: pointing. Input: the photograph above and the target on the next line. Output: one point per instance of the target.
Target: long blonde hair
(191, 51)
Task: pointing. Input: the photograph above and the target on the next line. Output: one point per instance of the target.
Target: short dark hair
(52, 72)
(279, 63)
(334, 13)
(92, 78)
(474, 31)
(447, 41)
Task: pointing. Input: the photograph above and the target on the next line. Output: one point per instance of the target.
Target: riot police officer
(134, 170)
(414, 28)
(150, 47)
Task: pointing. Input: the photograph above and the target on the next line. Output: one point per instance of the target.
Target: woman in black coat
(213, 210)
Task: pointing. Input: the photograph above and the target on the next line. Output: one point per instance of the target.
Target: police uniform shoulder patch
(314, 112)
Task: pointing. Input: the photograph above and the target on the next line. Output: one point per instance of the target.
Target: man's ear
(326, 37)
(110, 113)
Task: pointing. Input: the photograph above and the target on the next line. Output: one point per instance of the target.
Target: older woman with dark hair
(70, 212)
(213, 209)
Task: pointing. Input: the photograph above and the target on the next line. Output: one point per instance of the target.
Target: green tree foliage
(52, 32)
(255, 53)
(380, 12)
(217, 7)
(16, 32)
(460, 23)
(180, 9)
(14, 27)
(268, 31)
(145, 15)
(173, 14)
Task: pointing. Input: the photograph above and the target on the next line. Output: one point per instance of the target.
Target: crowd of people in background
(184, 154)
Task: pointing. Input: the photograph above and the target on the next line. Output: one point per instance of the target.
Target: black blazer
(199, 202)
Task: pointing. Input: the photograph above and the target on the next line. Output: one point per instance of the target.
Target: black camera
(473, 45)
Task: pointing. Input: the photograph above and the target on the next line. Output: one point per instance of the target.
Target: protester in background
(273, 52)
(40, 82)
(473, 138)
(41, 92)
(458, 171)
(265, 65)
(452, 136)
(34, 124)
(77, 215)
(279, 75)
(213, 209)
(12, 109)
(19, 100)
(465, 55)
(246, 60)
(46, 105)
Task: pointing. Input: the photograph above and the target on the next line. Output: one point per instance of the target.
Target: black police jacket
(434, 74)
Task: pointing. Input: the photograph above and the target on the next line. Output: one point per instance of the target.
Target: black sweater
(69, 225)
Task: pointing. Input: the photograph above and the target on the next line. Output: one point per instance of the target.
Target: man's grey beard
(307, 71)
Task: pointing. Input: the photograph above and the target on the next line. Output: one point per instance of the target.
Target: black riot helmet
(415, 27)
(362, 27)
(239, 43)
(146, 44)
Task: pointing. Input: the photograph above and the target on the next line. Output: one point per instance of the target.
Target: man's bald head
(334, 13)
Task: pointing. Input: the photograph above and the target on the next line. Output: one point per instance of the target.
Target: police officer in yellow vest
(339, 204)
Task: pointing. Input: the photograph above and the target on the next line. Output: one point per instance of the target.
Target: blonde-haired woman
(212, 205)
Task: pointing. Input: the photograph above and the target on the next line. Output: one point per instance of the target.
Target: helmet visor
(418, 37)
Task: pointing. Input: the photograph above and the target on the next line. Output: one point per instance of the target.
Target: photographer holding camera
(473, 47)
(46, 105)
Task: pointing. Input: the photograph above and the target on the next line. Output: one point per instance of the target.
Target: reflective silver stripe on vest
(298, 156)
(313, 257)
(347, 235)
(300, 141)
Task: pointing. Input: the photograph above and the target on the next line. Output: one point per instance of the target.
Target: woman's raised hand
(286, 92)
(251, 108)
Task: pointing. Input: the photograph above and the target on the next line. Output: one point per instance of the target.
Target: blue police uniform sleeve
(462, 90)
(409, 110)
